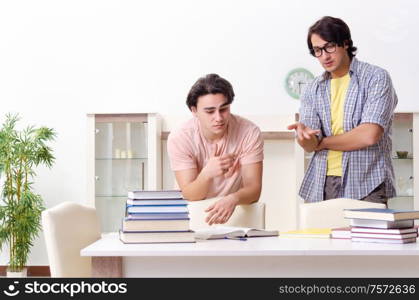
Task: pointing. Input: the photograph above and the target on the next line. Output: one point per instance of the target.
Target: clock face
(296, 80)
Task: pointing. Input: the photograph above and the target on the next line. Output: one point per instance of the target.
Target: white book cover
(149, 195)
(156, 202)
(157, 209)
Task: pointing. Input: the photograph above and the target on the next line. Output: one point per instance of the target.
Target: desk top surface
(110, 245)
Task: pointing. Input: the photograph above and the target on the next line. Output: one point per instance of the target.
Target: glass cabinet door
(120, 166)
(402, 159)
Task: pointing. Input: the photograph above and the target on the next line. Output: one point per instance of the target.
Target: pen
(235, 238)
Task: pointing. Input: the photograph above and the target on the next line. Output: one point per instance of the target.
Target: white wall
(62, 59)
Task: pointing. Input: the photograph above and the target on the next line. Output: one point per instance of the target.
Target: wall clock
(296, 80)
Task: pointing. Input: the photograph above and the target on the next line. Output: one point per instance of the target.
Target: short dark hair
(209, 84)
(332, 30)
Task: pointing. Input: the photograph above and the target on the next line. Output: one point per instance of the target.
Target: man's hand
(306, 137)
(218, 165)
(303, 132)
(221, 211)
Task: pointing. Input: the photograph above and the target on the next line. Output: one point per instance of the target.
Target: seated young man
(216, 153)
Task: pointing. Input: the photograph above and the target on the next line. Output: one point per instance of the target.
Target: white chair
(68, 228)
(252, 215)
(329, 213)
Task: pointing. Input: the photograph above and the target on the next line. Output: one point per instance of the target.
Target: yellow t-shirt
(339, 87)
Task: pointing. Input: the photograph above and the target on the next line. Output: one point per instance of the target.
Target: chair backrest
(68, 228)
(252, 215)
(329, 213)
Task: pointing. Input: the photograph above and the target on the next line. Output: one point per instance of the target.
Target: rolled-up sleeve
(381, 100)
(308, 113)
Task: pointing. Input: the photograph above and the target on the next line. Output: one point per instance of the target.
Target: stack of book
(156, 217)
(380, 225)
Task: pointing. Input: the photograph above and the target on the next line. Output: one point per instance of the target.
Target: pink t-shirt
(189, 149)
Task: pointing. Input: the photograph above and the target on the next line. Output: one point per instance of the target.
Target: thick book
(385, 231)
(157, 209)
(381, 214)
(155, 225)
(341, 233)
(150, 195)
(162, 216)
(148, 237)
(384, 241)
(382, 223)
(159, 202)
(384, 235)
(231, 232)
(307, 233)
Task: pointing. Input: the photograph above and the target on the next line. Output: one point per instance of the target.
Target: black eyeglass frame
(324, 48)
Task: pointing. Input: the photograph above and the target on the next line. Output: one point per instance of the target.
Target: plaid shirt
(370, 99)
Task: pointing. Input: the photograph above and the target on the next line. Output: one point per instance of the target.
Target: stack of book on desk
(380, 225)
(156, 217)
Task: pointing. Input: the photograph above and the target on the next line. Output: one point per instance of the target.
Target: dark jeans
(332, 188)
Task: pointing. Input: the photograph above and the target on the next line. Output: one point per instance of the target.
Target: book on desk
(155, 195)
(232, 232)
(384, 214)
(381, 225)
(156, 217)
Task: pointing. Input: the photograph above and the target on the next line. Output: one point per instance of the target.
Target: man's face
(213, 113)
(332, 62)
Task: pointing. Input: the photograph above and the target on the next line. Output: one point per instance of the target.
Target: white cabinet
(124, 153)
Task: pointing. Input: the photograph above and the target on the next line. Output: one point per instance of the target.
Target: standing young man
(345, 117)
(216, 153)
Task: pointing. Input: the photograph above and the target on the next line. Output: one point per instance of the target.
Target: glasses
(328, 48)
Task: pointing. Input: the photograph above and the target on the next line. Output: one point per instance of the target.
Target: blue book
(381, 214)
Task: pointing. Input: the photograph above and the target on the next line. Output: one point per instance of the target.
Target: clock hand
(299, 87)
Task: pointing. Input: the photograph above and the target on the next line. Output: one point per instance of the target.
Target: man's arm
(360, 137)
(308, 129)
(376, 117)
(306, 137)
(195, 186)
(221, 211)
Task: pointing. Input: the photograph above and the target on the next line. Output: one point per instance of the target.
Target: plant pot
(22, 273)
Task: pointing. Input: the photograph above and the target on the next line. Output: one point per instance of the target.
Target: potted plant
(20, 208)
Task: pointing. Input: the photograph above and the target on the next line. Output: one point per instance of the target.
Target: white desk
(256, 257)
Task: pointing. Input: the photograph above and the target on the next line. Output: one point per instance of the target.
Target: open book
(229, 232)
